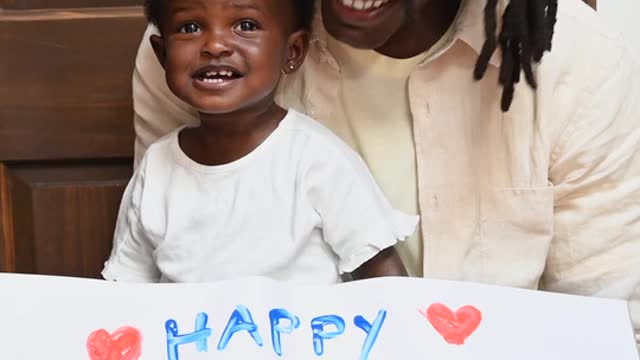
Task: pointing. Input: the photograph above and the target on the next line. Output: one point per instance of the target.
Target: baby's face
(225, 55)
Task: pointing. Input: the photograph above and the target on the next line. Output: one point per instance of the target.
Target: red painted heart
(124, 344)
(454, 328)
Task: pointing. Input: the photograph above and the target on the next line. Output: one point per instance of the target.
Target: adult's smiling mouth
(363, 5)
(354, 11)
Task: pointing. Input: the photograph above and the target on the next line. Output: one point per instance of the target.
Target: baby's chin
(218, 108)
(215, 104)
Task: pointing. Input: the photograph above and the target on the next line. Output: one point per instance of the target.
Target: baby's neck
(223, 138)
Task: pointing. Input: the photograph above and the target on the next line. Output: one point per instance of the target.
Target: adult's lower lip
(353, 16)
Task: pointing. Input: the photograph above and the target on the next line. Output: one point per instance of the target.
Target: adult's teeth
(364, 4)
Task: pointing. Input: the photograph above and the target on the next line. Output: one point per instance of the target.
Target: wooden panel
(6, 224)
(40, 4)
(591, 3)
(66, 134)
(64, 215)
(66, 79)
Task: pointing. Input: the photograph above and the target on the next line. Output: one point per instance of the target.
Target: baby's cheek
(179, 85)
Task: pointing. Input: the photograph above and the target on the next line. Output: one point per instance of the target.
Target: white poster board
(65, 318)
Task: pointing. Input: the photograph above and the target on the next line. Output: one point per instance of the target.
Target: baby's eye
(189, 28)
(247, 26)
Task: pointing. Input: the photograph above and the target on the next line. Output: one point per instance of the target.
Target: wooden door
(66, 136)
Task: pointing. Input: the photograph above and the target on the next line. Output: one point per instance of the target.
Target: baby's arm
(386, 263)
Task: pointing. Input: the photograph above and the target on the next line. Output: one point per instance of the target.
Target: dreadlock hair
(154, 11)
(527, 32)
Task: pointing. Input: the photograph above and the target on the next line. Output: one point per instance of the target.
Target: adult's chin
(360, 28)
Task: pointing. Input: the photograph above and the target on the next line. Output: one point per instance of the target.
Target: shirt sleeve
(596, 175)
(357, 220)
(131, 257)
(157, 111)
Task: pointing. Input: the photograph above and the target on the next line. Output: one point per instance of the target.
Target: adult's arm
(595, 170)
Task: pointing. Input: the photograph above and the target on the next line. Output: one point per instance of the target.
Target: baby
(255, 189)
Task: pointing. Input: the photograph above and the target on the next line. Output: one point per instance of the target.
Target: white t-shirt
(301, 207)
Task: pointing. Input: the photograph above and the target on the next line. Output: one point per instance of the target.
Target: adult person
(530, 184)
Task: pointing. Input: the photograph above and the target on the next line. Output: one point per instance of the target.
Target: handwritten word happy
(281, 322)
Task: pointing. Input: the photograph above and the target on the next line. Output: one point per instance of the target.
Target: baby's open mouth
(213, 76)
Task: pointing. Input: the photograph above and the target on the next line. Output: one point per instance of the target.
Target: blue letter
(199, 336)
(240, 320)
(319, 334)
(276, 329)
(371, 330)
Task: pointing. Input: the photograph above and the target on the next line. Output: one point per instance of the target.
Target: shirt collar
(470, 27)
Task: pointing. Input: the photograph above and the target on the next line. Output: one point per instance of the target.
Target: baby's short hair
(304, 11)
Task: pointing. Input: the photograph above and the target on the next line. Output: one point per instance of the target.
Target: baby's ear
(298, 45)
(157, 43)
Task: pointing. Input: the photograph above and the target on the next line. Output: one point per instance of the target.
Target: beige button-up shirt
(545, 196)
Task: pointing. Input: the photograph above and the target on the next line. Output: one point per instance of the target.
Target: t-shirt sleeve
(357, 220)
(131, 257)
